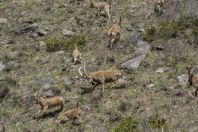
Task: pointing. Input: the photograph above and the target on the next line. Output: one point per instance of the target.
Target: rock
(68, 80)
(42, 45)
(28, 100)
(162, 69)
(133, 39)
(2, 66)
(151, 85)
(26, 27)
(68, 33)
(183, 78)
(4, 91)
(42, 32)
(158, 48)
(133, 64)
(3, 21)
(2, 127)
(48, 81)
(142, 47)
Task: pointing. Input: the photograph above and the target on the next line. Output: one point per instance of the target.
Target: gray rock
(68, 33)
(3, 21)
(68, 80)
(151, 85)
(2, 66)
(26, 28)
(42, 45)
(162, 69)
(133, 39)
(48, 81)
(183, 78)
(2, 127)
(133, 64)
(48, 93)
(143, 47)
(42, 32)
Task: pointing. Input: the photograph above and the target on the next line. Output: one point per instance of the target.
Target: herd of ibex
(104, 76)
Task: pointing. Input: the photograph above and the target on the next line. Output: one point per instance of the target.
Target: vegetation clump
(56, 44)
(173, 29)
(128, 124)
(157, 122)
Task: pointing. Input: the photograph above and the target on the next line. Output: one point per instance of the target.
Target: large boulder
(133, 64)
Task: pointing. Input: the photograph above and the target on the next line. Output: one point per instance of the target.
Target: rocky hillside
(37, 38)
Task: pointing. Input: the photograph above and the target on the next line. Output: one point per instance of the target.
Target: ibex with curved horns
(101, 77)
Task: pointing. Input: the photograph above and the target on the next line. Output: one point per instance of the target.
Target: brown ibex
(70, 114)
(193, 78)
(101, 5)
(101, 77)
(115, 31)
(76, 55)
(47, 103)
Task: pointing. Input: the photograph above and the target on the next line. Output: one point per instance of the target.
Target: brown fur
(102, 5)
(70, 114)
(193, 78)
(115, 31)
(101, 77)
(47, 103)
(158, 5)
(76, 55)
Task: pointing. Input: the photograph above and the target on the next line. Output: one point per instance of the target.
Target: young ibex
(101, 77)
(76, 55)
(47, 103)
(193, 78)
(158, 5)
(101, 5)
(115, 31)
(70, 114)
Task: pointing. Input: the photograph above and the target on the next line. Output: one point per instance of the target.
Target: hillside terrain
(37, 38)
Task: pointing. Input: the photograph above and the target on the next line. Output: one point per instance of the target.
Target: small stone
(162, 69)
(3, 21)
(151, 85)
(42, 32)
(68, 33)
(183, 78)
(2, 66)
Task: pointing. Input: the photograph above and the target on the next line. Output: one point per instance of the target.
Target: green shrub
(78, 39)
(172, 29)
(54, 44)
(150, 33)
(128, 124)
(157, 122)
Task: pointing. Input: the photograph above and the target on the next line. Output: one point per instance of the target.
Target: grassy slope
(29, 64)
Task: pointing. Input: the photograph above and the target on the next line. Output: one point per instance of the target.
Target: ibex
(102, 5)
(47, 103)
(158, 5)
(76, 55)
(101, 77)
(193, 78)
(70, 114)
(115, 31)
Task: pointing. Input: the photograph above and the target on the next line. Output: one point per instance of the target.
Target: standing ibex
(101, 5)
(115, 31)
(158, 5)
(47, 103)
(101, 77)
(193, 78)
(76, 55)
(70, 114)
